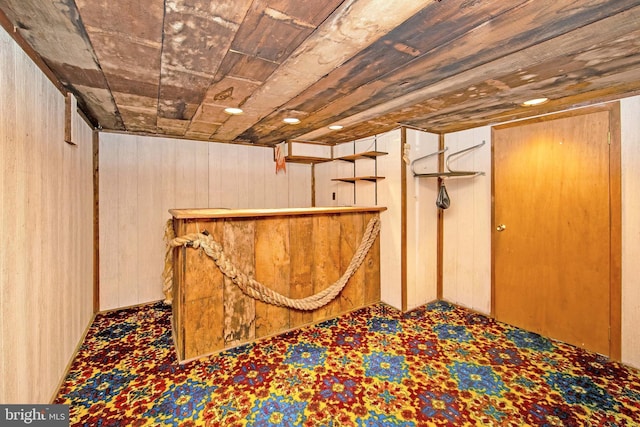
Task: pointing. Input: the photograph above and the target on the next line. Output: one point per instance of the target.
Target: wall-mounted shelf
(305, 159)
(447, 174)
(306, 152)
(359, 156)
(450, 173)
(359, 178)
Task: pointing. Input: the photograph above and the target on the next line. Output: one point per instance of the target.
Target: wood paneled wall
(363, 193)
(422, 217)
(421, 211)
(46, 215)
(467, 228)
(390, 196)
(142, 177)
(630, 117)
(467, 223)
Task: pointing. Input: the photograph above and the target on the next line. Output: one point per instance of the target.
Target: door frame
(615, 206)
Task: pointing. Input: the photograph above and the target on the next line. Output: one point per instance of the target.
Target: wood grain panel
(630, 109)
(239, 309)
(185, 176)
(203, 279)
(273, 267)
(466, 258)
(242, 178)
(109, 231)
(372, 265)
(390, 232)
(202, 332)
(552, 264)
(214, 177)
(171, 173)
(301, 264)
(149, 218)
(282, 249)
(325, 242)
(127, 211)
(422, 229)
(45, 191)
(351, 229)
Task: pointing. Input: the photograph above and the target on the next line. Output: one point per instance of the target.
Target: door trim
(615, 206)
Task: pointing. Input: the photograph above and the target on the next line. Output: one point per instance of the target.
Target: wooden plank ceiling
(171, 67)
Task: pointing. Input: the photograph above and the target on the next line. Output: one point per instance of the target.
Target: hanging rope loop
(250, 286)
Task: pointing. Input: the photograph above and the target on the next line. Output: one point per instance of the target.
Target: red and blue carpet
(438, 365)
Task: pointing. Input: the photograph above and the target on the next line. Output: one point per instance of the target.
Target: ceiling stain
(171, 67)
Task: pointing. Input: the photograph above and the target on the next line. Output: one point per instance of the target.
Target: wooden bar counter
(296, 252)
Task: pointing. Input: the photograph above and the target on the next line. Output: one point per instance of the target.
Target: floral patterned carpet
(437, 365)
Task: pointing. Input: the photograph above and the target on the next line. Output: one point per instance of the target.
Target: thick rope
(250, 286)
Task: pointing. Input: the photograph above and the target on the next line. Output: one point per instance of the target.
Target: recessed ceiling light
(291, 120)
(537, 101)
(232, 110)
(336, 127)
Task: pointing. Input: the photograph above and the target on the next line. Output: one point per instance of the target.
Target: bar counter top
(243, 213)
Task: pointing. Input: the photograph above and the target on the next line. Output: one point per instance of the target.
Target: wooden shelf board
(305, 159)
(359, 178)
(446, 174)
(365, 155)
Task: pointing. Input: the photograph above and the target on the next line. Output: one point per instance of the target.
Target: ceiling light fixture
(233, 111)
(291, 120)
(532, 102)
(336, 127)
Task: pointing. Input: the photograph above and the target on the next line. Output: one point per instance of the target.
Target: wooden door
(551, 237)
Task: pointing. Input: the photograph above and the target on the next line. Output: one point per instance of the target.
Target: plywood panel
(299, 184)
(243, 177)
(109, 231)
(213, 178)
(45, 293)
(467, 224)
(325, 188)
(185, 175)
(239, 320)
(203, 296)
(421, 222)
(273, 266)
(205, 279)
(257, 179)
(172, 173)
(167, 149)
(301, 262)
(201, 171)
(372, 265)
(48, 197)
(275, 185)
(229, 177)
(150, 219)
(7, 120)
(630, 111)
(325, 238)
(14, 297)
(351, 228)
(389, 195)
(128, 263)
